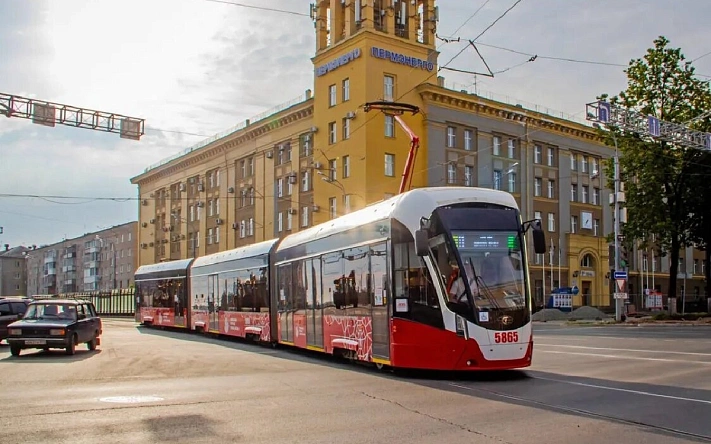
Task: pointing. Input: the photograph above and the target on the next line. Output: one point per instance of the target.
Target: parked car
(56, 323)
(11, 309)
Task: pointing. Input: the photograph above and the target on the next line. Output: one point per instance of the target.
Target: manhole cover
(131, 399)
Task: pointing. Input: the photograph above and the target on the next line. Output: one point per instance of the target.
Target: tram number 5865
(506, 336)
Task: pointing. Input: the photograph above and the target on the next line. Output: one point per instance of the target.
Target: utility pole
(618, 117)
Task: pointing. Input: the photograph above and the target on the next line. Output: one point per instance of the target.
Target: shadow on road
(32, 355)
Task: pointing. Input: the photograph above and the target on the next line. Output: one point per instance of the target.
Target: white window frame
(538, 186)
(332, 95)
(468, 140)
(346, 84)
(551, 222)
(389, 126)
(451, 137)
(388, 88)
(537, 154)
(389, 165)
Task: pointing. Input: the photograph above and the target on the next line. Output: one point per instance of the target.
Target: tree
(657, 175)
(701, 218)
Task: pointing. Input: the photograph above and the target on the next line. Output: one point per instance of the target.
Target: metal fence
(108, 303)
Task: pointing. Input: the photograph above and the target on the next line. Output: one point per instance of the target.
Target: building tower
(367, 50)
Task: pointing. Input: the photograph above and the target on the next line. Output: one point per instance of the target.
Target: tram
(433, 278)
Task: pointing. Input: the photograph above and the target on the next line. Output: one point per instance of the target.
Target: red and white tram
(433, 278)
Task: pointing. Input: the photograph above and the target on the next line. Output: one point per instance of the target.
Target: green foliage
(659, 188)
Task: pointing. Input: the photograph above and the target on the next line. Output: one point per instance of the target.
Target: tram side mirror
(539, 238)
(422, 240)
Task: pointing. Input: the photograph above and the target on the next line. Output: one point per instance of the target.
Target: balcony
(92, 279)
(91, 250)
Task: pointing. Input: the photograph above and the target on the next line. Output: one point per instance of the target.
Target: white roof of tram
(252, 250)
(408, 208)
(181, 264)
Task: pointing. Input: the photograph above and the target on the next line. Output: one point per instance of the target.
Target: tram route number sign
(505, 337)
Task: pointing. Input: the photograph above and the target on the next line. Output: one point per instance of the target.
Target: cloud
(196, 67)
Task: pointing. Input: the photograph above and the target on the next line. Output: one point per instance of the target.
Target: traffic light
(623, 257)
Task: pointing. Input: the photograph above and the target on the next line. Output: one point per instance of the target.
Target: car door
(93, 321)
(6, 318)
(83, 327)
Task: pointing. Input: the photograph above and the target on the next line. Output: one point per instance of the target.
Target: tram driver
(456, 288)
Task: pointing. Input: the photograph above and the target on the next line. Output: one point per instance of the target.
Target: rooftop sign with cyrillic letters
(401, 58)
(340, 61)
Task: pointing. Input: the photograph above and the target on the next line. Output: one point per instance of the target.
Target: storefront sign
(401, 58)
(340, 61)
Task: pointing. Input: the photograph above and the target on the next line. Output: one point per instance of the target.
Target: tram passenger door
(213, 292)
(314, 317)
(285, 303)
(380, 301)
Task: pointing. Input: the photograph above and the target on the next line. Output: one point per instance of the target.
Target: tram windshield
(493, 269)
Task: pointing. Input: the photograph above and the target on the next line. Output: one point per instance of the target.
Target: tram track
(587, 413)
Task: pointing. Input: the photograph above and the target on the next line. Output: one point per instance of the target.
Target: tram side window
(354, 293)
(298, 292)
(413, 279)
(332, 269)
(284, 287)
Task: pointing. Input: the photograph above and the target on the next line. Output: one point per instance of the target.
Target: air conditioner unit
(181, 186)
(145, 202)
(144, 224)
(144, 245)
(350, 115)
(200, 204)
(152, 221)
(231, 189)
(269, 154)
(201, 187)
(218, 221)
(317, 165)
(235, 225)
(314, 129)
(315, 208)
(292, 210)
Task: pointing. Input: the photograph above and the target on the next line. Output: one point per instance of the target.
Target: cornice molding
(486, 107)
(220, 146)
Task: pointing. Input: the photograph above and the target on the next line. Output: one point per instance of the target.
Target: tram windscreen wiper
(480, 283)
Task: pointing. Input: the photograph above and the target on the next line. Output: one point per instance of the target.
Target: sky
(193, 68)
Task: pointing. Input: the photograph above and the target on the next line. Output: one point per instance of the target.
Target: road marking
(131, 399)
(634, 392)
(636, 358)
(625, 349)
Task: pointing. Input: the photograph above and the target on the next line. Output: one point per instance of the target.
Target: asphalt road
(586, 386)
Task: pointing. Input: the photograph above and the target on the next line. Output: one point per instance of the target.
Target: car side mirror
(539, 238)
(422, 240)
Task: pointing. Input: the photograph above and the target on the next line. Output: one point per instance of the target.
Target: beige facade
(13, 273)
(100, 261)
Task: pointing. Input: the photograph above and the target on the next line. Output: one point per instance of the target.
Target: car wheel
(72, 347)
(91, 345)
(15, 350)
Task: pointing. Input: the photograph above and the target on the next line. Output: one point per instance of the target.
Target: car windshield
(493, 268)
(51, 311)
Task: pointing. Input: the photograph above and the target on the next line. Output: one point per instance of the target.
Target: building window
(573, 224)
(497, 179)
(332, 207)
(346, 90)
(217, 235)
(388, 88)
(346, 128)
(210, 207)
(574, 193)
(346, 167)
(551, 160)
(280, 187)
(332, 169)
(584, 164)
(347, 203)
(537, 154)
(469, 176)
(305, 181)
(585, 195)
(596, 196)
(551, 189)
(305, 145)
(595, 166)
(596, 227)
(512, 149)
(242, 229)
(451, 137)
(451, 173)
(573, 162)
(512, 182)
(389, 126)
(390, 165)
(551, 222)
(305, 217)
(496, 147)
(537, 186)
(289, 219)
(537, 215)
(468, 140)
(331, 133)
(332, 95)
(280, 222)
(250, 227)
